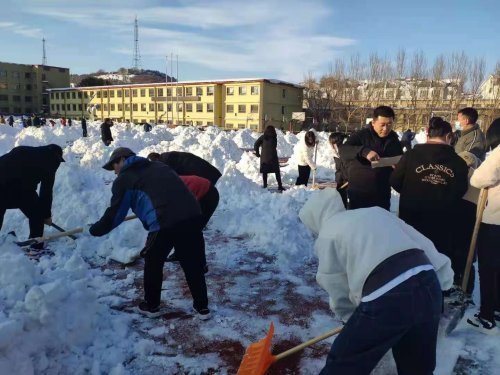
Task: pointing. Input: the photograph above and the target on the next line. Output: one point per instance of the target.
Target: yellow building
(231, 104)
(23, 88)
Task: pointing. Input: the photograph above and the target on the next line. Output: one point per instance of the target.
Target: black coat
(24, 167)
(364, 181)
(106, 136)
(84, 124)
(187, 164)
(269, 162)
(431, 177)
(154, 192)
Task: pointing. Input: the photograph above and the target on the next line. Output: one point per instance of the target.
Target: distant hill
(120, 77)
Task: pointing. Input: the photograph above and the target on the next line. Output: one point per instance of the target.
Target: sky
(283, 39)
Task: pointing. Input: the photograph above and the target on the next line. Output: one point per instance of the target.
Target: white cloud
(271, 38)
(16, 28)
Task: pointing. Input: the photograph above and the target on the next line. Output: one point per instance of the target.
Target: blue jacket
(153, 191)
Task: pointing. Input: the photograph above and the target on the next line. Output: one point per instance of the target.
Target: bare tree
(437, 85)
(401, 63)
(316, 100)
(476, 74)
(457, 71)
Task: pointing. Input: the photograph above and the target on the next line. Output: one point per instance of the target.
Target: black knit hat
(56, 149)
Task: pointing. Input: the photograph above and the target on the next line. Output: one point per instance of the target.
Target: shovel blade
(258, 357)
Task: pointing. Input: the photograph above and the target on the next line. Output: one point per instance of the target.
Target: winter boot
(203, 314)
(145, 309)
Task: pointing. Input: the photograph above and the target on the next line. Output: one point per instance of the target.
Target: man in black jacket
(84, 127)
(106, 136)
(171, 215)
(22, 169)
(369, 186)
(187, 164)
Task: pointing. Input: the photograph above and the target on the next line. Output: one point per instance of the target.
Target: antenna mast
(44, 56)
(137, 54)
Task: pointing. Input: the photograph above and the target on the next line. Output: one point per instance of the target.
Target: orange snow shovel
(258, 357)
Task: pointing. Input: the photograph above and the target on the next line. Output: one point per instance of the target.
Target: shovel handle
(483, 197)
(307, 343)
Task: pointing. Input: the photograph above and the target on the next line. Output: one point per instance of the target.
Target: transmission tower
(44, 57)
(137, 54)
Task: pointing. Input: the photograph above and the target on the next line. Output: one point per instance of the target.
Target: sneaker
(145, 309)
(172, 258)
(483, 325)
(203, 314)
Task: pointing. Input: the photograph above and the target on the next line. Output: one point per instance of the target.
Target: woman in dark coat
(269, 162)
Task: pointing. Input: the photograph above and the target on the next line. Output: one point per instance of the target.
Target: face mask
(458, 126)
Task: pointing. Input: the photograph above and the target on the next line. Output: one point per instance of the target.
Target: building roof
(215, 81)
(34, 65)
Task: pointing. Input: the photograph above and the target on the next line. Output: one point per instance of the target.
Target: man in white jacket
(384, 280)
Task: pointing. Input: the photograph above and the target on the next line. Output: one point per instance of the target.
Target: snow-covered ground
(71, 312)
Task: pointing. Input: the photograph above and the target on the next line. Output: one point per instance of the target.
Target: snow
(72, 312)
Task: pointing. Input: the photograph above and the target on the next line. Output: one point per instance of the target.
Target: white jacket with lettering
(351, 244)
(488, 175)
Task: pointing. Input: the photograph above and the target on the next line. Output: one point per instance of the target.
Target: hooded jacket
(350, 244)
(306, 154)
(488, 175)
(24, 167)
(472, 140)
(155, 194)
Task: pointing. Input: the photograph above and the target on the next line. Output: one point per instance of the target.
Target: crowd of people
(385, 281)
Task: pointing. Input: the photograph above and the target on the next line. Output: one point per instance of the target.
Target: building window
(179, 107)
(143, 105)
(52, 107)
(58, 108)
(119, 93)
(199, 91)
(15, 74)
(134, 93)
(105, 94)
(210, 107)
(112, 107)
(159, 105)
(160, 92)
(86, 95)
(179, 91)
(169, 107)
(98, 94)
(169, 91)
(16, 98)
(57, 95)
(134, 107)
(282, 109)
(3, 73)
(229, 90)
(4, 98)
(241, 126)
(199, 123)
(254, 108)
(127, 93)
(28, 87)
(79, 94)
(120, 107)
(151, 93)
(189, 91)
(17, 86)
(73, 94)
(189, 107)
(127, 107)
(27, 75)
(210, 123)
(242, 108)
(283, 93)
(111, 93)
(74, 107)
(229, 125)
(143, 93)
(242, 90)
(199, 107)
(105, 107)
(80, 107)
(91, 94)
(151, 107)
(210, 90)
(229, 108)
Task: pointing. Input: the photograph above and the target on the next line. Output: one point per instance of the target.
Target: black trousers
(404, 319)
(488, 251)
(208, 204)
(304, 173)
(29, 204)
(187, 238)
(84, 130)
(461, 239)
(278, 179)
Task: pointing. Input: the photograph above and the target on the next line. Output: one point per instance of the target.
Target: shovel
(36, 240)
(314, 171)
(62, 230)
(258, 357)
(459, 313)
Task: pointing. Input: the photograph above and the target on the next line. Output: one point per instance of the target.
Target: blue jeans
(405, 319)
